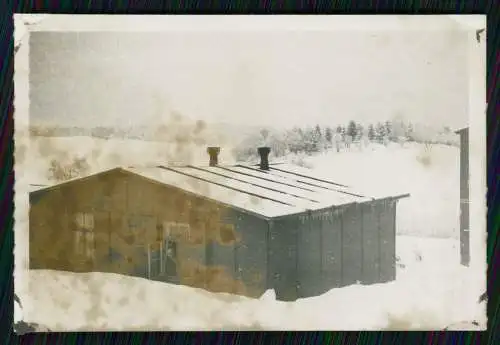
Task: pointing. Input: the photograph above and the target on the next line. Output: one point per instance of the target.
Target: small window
(84, 235)
(84, 220)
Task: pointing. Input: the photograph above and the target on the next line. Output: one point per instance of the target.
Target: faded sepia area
(245, 179)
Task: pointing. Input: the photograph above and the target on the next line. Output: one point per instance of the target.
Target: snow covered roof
(459, 130)
(282, 190)
(32, 187)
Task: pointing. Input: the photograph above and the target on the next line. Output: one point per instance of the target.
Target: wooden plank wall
(352, 248)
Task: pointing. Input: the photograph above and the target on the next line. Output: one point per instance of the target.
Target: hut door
(173, 233)
(162, 260)
(155, 252)
(170, 258)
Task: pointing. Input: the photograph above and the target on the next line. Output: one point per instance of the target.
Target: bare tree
(61, 172)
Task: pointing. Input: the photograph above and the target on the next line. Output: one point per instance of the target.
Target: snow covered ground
(432, 290)
(426, 295)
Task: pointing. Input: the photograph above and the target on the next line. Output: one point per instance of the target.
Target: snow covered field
(432, 290)
(426, 295)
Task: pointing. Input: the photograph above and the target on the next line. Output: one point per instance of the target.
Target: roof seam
(310, 177)
(314, 185)
(222, 185)
(266, 179)
(253, 184)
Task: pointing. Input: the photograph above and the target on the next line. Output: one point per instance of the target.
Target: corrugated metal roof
(283, 189)
(306, 176)
(220, 192)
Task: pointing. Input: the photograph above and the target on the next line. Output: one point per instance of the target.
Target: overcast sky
(259, 78)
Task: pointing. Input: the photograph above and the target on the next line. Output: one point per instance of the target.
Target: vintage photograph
(249, 173)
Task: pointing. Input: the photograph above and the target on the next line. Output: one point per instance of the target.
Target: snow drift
(432, 291)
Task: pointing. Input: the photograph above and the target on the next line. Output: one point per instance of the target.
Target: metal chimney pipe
(214, 155)
(264, 157)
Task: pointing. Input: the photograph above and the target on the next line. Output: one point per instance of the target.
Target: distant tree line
(314, 139)
(299, 141)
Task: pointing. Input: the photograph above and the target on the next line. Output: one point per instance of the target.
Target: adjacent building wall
(464, 197)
